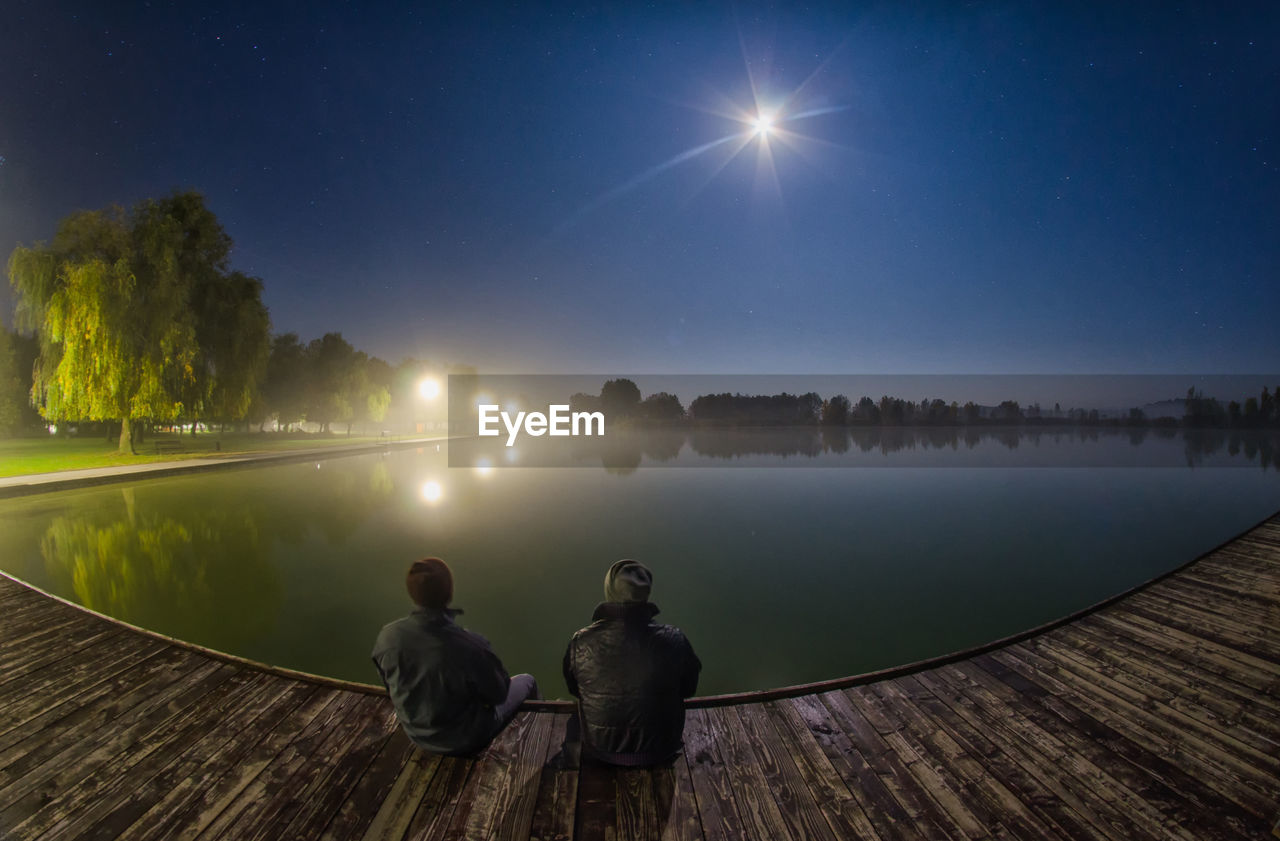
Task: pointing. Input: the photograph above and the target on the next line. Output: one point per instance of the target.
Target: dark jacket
(631, 676)
(444, 681)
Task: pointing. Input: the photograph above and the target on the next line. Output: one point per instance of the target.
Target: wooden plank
(176, 787)
(321, 802)
(73, 737)
(361, 804)
(12, 590)
(1205, 701)
(396, 811)
(81, 800)
(937, 779)
(1262, 541)
(994, 803)
(1246, 553)
(1196, 665)
(596, 815)
(1235, 610)
(554, 810)
(1144, 783)
(890, 818)
(45, 708)
(1021, 768)
(1206, 654)
(684, 823)
(1098, 760)
(637, 806)
(1100, 786)
(1225, 586)
(841, 808)
(269, 797)
(436, 810)
(915, 793)
(1206, 628)
(54, 692)
(651, 807)
(43, 639)
(1225, 775)
(503, 789)
(37, 787)
(1149, 703)
(1260, 593)
(800, 806)
(314, 790)
(711, 782)
(763, 816)
(23, 611)
(209, 803)
(1237, 560)
(522, 792)
(53, 647)
(801, 789)
(1260, 640)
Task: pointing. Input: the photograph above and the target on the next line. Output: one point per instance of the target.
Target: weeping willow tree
(138, 317)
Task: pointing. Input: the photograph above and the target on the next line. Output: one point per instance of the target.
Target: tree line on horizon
(620, 399)
(133, 319)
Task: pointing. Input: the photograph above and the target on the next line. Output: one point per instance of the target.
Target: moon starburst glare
(761, 123)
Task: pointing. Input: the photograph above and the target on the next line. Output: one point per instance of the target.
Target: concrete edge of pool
(65, 480)
(1153, 714)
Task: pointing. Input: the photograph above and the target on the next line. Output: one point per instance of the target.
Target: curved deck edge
(705, 701)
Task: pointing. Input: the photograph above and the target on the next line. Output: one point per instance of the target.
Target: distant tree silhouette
(660, 407)
(1233, 413)
(835, 412)
(1202, 411)
(619, 398)
(866, 412)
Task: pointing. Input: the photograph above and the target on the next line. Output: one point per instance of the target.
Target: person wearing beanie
(630, 674)
(449, 690)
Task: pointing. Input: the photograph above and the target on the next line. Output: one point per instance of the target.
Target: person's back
(449, 690)
(631, 674)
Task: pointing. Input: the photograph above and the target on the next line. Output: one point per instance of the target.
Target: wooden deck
(1156, 716)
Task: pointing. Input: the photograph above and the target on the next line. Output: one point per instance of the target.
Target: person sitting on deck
(450, 691)
(630, 674)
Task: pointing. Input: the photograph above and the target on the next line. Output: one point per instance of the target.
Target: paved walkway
(1153, 716)
(64, 479)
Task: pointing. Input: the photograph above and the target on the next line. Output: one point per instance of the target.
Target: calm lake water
(778, 576)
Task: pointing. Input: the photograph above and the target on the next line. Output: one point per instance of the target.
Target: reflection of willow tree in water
(200, 573)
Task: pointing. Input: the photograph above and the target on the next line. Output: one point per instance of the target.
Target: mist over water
(778, 576)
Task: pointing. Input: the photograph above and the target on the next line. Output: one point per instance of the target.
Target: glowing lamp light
(432, 491)
(429, 388)
(484, 467)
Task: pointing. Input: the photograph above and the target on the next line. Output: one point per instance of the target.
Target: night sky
(978, 189)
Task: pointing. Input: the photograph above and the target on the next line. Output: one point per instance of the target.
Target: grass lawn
(20, 456)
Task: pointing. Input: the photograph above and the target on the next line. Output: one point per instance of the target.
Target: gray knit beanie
(628, 581)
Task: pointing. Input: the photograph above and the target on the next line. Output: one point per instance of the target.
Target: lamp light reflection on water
(432, 491)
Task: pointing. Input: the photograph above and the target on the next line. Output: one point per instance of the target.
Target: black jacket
(631, 676)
